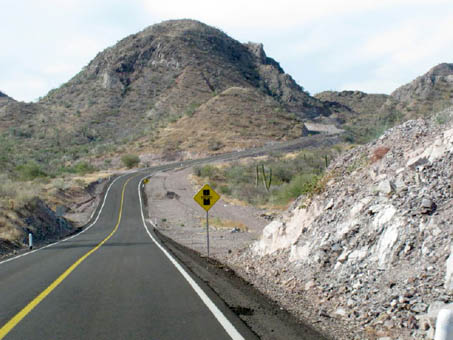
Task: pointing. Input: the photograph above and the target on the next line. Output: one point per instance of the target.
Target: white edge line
(221, 318)
(70, 237)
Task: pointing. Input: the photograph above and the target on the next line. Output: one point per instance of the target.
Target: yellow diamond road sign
(206, 197)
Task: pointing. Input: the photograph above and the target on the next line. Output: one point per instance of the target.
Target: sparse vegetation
(130, 160)
(292, 175)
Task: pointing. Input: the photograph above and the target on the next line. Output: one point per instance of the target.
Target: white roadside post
(206, 198)
(30, 241)
(444, 325)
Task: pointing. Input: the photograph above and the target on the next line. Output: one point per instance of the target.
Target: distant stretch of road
(114, 280)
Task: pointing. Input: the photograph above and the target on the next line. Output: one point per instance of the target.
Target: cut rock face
(449, 272)
(377, 240)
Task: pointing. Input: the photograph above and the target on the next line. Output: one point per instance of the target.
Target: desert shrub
(130, 160)
(214, 145)
(205, 171)
(237, 174)
(282, 173)
(190, 110)
(300, 185)
(83, 168)
(225, 189)
(30, 171)
(291, 176)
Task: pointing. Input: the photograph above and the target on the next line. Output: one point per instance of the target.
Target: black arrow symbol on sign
(206, 197)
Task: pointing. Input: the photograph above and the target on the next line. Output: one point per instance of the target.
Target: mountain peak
(428, 93)
(441, 70)
(169, 67)
(177, 27)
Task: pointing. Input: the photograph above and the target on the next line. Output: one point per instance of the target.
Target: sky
(370, 45)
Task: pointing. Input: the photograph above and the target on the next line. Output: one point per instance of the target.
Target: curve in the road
(28, 308)
(60, 299)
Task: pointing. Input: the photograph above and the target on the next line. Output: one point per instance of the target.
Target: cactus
(257, 175)
(267, 184)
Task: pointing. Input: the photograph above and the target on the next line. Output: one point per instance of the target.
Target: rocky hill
(352, 102)
(168, 71)
(167, 67)
(366, 116)
(4, 98)
(429, 93)
(361, 114)
(373, 249)
(178, 71)
(183, 86)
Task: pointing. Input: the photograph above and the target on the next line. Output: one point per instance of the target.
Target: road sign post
(207, 230)
(206, 198)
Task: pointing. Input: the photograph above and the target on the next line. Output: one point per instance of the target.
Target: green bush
(300, 185)
(130, 160)
(83, 168)
(30, 171)
(205, 171)
(225, 189)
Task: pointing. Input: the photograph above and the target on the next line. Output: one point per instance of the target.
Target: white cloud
(259, 14)
(324, 44)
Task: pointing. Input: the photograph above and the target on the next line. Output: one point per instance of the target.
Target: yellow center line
(31, 305)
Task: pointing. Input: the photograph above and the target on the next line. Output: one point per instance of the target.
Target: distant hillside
(235, 118)
(367, 115)
(176, 70)
(425, 95)
(350, 103)
(360, 113)
(4, 99)
(184, 86)
(166, 71)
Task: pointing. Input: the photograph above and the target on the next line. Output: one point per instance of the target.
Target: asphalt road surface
(113, 281)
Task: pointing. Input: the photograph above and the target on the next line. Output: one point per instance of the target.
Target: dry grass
(236, 118)
(8, 230)
(379, 153)
(218, 223)
(90, 178)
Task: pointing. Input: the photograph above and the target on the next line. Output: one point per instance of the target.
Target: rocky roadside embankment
(63, 213)
(374, 250)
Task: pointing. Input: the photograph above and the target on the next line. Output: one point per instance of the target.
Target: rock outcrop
(374, 249)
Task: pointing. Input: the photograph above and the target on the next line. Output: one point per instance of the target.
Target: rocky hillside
(168, 71)
(373, 249)
(352, 102)
(129, 94)
(366, 116)
(361, 114)
(246, 116)
(167, 67)
(428, 93)
(4, 99)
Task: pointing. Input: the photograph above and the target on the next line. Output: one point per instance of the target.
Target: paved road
(115, 280)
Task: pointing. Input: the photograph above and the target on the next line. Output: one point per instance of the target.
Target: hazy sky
(369, 45)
